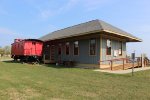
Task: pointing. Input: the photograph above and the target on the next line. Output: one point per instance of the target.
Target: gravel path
(6, 59)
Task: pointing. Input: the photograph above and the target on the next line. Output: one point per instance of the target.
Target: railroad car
(27, 50)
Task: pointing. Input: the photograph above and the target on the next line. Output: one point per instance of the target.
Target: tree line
(6, 50)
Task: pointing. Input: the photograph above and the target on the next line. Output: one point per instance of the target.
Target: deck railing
(124, 62)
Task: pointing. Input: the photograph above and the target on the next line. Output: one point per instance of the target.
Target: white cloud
(2, 11)
(7, 36)
(140, 29)
(46, 13)
(48, 8)
(6, 31)
(93, 4)
(52, 28)
(89, 5)
(69, 5)
(144, 29)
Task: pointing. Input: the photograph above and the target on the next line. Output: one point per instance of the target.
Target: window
(120, 48)
(47, 46)
(33, 43)
(59, 49)
(76, 48)
(67, 48)
(108, 47)
(92, 46)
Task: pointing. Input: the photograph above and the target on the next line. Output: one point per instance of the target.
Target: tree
(1, 51)
(7, 50)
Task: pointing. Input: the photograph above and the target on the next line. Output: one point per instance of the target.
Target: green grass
(39, 82)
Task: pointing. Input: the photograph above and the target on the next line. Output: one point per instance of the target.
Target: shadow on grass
(128, 75)
(54, 66)
(45, 65)
(11, 61)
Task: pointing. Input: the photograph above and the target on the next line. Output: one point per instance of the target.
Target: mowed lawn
(48, 82)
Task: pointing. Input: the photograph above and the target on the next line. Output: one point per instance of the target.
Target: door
(46, 53)
(59, 53)
(52, 54)
(33, 50)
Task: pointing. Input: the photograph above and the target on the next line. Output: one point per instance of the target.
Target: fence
(126, 63)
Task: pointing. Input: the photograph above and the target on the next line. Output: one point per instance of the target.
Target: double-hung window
(92, 46)
(120, 48)
(67, 48)
(76, 48)
(108, 47)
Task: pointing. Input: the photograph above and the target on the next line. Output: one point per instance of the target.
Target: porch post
(101, 52)
(123, 64)
(111, 65)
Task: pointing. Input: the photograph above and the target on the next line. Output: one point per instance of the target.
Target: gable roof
(88, 28)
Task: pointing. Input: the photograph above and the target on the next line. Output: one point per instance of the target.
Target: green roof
(88, 28)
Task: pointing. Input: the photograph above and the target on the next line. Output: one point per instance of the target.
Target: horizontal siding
(83, 56)
(115, 46)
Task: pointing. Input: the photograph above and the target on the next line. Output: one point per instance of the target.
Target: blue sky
(35, 18)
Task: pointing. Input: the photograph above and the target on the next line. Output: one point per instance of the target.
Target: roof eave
(132, 39)
(72, 35)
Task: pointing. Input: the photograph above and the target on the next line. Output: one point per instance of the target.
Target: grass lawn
(39, 82)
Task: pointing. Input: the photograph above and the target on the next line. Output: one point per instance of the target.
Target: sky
(35, 18)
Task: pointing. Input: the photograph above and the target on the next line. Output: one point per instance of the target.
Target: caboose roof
(33, 40)
(89, 28)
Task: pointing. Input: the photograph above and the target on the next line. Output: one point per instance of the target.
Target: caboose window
(33, 43)
(67, 48)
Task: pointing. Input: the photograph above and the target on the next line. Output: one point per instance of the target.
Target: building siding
(114, 46)
(84, 56)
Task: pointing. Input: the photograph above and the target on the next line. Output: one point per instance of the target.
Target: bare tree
(1, 51)
(7, 50)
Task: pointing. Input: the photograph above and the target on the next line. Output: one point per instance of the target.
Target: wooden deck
(126, 64)
(121, 67)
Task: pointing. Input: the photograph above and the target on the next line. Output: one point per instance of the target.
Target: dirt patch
(14, 94)
(87, 94)
(57, 99)
(39, 82)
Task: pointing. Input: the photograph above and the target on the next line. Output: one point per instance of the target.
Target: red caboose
(27, 50)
